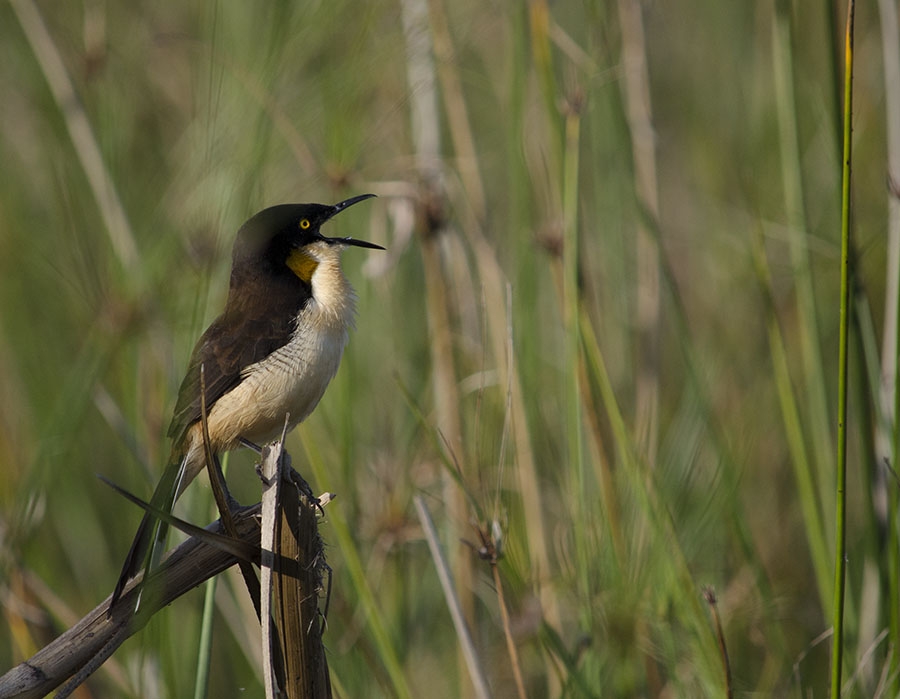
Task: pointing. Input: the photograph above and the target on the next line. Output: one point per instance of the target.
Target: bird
(270, 354)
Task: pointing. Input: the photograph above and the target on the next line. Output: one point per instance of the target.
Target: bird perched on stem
(271, 353)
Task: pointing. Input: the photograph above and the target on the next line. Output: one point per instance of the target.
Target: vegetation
(602, 346)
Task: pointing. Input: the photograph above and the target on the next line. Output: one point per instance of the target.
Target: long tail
(150, 538)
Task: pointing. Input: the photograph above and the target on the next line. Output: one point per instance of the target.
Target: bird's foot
(302, 485)
(305, 489)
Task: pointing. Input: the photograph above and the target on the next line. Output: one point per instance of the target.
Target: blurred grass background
(609, 300)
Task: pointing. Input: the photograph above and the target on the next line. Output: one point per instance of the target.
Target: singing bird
(271, 353)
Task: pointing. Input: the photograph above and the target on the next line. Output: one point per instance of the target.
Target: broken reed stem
(270, 475)
(290, 534)
(299, 563)
(295, 600)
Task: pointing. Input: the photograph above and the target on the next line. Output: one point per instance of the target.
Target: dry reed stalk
(493, 282)
(890, 44)
(643, 147)
(467, 647)
(295, 597)
(79, 127)
(431, 205)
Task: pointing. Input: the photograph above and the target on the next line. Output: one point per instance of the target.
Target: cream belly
(291, 380)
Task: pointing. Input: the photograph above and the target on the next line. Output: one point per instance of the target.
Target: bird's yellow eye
(304, 223)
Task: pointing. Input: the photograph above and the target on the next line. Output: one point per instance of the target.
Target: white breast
(294, 377)
(291, 380)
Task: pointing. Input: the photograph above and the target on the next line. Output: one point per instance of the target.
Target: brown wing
(228, 346)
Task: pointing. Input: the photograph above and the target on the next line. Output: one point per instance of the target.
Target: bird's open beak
(351, 241)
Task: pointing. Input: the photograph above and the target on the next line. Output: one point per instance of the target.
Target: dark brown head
(282, 240)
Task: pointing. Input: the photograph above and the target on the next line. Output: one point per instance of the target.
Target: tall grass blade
(840, 560)
(808, 326)
(204, 647)
(204, 654)
(651, 504)
(803, 473)
(730, 464)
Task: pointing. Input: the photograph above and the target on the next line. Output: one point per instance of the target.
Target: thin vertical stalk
(427, 143)
(445, 576)
(539, 21)
(603, 470)
(865, 379)
(643, 147)
(893, 544)
(840, 562)
(573, 334)
(493, 281)
(890, 357)
(455, 104)
(890, 43)
(790, 414)
(201, 681)
(792, 182)
(82, 134)
(491, 275)
(643, 481)
(731, 466)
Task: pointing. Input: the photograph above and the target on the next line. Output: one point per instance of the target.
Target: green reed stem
(204, 654)
(840, 563)
(790, 414)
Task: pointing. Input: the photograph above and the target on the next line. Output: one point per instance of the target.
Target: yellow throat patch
(302, 264)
